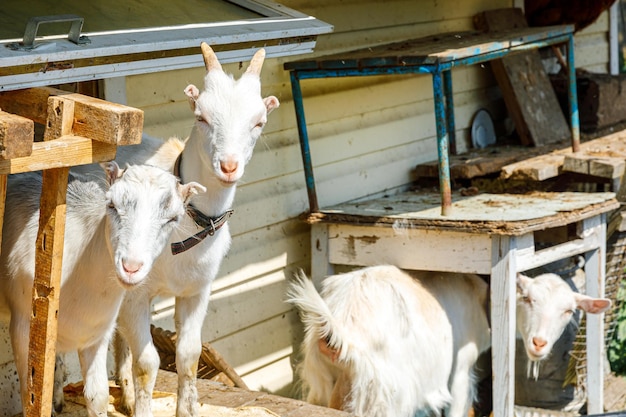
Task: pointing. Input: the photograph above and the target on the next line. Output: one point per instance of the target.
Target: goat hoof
(57, 406)
(125, 409)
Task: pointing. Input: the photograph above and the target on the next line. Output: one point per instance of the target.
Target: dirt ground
(615, 393)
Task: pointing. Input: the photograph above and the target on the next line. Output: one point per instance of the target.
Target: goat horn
(210, 59)
(256, 62)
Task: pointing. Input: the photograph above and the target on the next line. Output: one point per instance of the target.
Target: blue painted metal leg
(447, 88)
(573, 95)
(304, 142)
(442, 145)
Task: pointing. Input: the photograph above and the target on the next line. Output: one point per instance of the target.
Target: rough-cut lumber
(526, 88)
(48, 269)
(16, 135)
(93, 118)
(605, 167)
(481, 162)
(67, 151)
(599, 157)
(3, 193)
(46, 288)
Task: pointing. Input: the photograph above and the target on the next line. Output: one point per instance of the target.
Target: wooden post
(3, 195)
(48, 268)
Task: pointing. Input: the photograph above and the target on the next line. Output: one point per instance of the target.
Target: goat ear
(592, 305)
(271, 103)
(190, 189)
(256, 63)
(192, 93)
(112, 170)
(522, 282)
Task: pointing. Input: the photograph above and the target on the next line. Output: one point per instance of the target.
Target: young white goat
(112, 238)
(230, 116)
(381, 342)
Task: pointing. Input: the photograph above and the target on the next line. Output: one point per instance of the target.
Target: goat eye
(259, 125)
(569, 312)
(527, 299)
(111, 205)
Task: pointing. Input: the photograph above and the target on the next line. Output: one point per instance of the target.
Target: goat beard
(532, 369)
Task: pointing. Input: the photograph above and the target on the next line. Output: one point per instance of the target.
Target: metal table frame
(439, 64)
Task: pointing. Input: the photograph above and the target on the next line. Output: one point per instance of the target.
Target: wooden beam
(48, 271)
(46, 289)
(66, 151)
(597, 166)
(3, 195)
(16, 135)
(93, 118)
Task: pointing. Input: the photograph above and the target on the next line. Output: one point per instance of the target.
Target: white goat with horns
(383, 342)
(112, 239)
(230, 116)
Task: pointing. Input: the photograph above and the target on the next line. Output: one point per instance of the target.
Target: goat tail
(317, 371)
(314, 311)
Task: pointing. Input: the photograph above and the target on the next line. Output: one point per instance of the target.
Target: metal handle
(28, 42)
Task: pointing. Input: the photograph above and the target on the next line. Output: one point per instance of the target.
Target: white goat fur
(381, 342)
(230, 116)
(112, 238)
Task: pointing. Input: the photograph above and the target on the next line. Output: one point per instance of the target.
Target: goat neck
(219, 196)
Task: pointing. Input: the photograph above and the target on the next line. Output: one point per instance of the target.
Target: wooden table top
(440, 48)
(504, 214)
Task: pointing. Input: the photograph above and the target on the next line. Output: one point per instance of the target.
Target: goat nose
(539, 343)
(131, 266)
(229, 166)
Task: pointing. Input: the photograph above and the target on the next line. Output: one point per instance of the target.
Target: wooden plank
(93, 118)
(507, 214)
(440, 48)
(603, 167)
(537, 169)
(66, 151)
(605, 153)
(48, 270)
(480, 162)
(366, 245)
(526, 88)
(3, 194)
(16, 135)
(46, 288)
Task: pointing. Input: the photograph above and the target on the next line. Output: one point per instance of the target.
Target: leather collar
(208, 224)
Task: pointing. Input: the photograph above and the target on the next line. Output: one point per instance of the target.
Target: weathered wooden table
(492, 234)
(78, 130)
(497, 235)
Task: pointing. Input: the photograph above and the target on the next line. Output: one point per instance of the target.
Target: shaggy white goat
(112, 238)
(382, 342)
(230, 115)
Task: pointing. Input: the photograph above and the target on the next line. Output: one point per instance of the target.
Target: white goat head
(545, 306)
(144, 205)
(231, 114)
